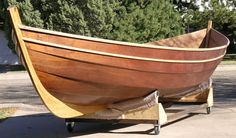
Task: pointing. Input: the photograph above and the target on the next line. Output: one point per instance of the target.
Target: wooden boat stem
(208, 33)
(56, 106)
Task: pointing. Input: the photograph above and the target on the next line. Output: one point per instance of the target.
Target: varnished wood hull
(85, 71)
(89, 83)
(91, 78)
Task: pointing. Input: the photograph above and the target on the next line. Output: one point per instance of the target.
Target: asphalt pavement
(33, 120)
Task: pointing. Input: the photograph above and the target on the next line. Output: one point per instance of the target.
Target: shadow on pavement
(225, 91)
(47, 125)
(6, 68)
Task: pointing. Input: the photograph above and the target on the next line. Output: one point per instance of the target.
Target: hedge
(137, 21)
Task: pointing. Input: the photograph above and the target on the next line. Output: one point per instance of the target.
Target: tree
(125, 20)
(146, 20)
(223, 16)
(68, 18)
(29, 16)
(184, 5)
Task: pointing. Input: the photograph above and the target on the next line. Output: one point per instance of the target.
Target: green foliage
(68, 18)
(29, 15)
(146, 20)
(125, 20)
(6, 112)
(100, 15)
(87, 17)
(223, 18)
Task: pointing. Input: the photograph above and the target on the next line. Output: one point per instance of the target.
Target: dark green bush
(223, 18)
(126, 20)
(146, 20)
(30, 16)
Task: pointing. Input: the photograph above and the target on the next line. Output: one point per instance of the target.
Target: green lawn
(228, 62)
(6, 112)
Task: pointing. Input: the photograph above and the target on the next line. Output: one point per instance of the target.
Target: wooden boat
(76, 75)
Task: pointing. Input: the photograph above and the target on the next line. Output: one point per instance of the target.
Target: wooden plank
(153, 114)
(119, 55)
(210, 100)
(125, 50)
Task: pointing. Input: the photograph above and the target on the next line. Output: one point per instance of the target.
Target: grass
(229, 59)
(6, 112)
(228, 62)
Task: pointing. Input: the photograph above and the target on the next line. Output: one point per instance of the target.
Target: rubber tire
(208, 109)
(157, 130)
(70, 126)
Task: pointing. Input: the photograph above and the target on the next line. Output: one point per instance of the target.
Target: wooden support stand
(157, 114)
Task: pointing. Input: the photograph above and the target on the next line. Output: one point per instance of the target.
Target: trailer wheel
(208, 109)
(70, 126)
(157, 129)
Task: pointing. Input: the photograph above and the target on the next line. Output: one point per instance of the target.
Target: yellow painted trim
(162, 115)
(210, 99)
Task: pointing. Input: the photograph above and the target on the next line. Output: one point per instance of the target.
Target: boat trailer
(164, 112)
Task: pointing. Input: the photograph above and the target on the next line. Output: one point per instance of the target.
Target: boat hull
(88, 79)
(76, 75)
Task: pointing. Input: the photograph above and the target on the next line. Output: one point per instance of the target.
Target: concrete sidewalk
(33, 120)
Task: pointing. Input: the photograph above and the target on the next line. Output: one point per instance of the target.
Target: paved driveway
(33, 120)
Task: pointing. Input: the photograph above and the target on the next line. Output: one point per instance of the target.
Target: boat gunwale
(151, 46)
(119, 55)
